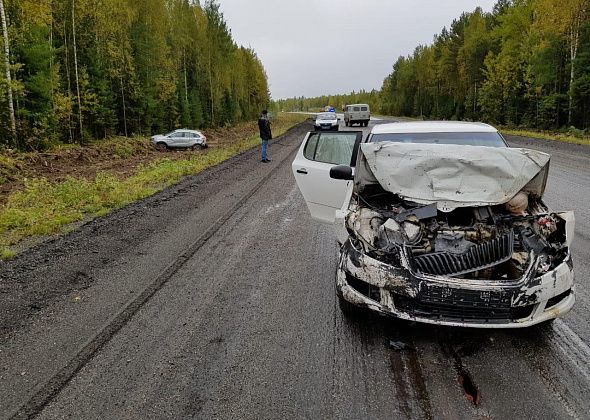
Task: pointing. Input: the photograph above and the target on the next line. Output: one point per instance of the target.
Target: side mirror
(343, 172)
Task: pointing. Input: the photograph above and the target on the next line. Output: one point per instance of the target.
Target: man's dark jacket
(264, 126)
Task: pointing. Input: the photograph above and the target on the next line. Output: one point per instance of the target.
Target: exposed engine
(497, 242)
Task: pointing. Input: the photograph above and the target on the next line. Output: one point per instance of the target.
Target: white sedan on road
(326, 121)
(440, 222)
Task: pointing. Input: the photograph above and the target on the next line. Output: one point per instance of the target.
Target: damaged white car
(440, 222)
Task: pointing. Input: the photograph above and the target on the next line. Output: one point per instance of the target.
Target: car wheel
(197, 147)
(161, 146)
(348, 308)
(546, 325)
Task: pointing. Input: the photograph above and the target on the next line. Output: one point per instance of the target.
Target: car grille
(476, 258)
(462, 306)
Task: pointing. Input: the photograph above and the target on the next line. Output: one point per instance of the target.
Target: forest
(78, 70)
(337, 101)
(524, 64)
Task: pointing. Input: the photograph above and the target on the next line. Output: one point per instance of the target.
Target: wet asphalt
(247, 325)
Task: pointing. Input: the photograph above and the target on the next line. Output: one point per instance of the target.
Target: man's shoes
(266, 160)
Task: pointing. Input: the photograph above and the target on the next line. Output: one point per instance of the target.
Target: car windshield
(468, 139)
(327, 116)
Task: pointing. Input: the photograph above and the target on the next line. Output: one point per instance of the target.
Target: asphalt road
(215, 299)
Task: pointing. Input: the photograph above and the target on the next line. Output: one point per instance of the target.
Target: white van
(357, 114)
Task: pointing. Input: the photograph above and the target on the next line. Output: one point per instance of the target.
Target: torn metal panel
(453, 302)
(452, 176)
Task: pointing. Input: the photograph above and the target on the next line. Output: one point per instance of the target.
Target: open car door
(318, 153)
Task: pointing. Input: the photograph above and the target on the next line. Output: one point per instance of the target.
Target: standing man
(265, 134)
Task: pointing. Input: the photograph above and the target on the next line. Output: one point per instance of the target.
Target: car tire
(348, 308)
(547, 325)
(161, 146)
(197, 147)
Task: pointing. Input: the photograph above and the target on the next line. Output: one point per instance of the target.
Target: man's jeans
(264, 148)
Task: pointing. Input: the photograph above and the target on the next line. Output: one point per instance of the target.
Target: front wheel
(197, 147)
(162, 147)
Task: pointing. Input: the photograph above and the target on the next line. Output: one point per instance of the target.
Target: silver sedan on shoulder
(181, 138)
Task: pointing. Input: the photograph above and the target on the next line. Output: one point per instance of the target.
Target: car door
(185, 140)
(319, 152)
(192, 139)
(175, 139)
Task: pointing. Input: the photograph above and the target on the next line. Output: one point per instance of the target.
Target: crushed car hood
(452, 176)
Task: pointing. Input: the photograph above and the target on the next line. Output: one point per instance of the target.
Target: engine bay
(499, 242)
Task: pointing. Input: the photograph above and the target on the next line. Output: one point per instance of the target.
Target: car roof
(186, 129)
(357, 105)
(433, 127)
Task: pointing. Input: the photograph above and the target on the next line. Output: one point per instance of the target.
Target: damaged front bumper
(406, 294)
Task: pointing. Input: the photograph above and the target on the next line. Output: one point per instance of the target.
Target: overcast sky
(315, 47)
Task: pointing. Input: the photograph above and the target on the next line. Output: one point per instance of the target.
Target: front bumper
(326, 127)
(400, 292)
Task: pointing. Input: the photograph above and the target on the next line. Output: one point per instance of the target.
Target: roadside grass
(46, 208)
(574, 137)
(8, 167)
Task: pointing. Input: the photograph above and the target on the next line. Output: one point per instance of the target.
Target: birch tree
(8, 75)
(566, 17)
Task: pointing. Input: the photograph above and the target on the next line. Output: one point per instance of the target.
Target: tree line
(525, 63)
(337, 101)
(82, 69)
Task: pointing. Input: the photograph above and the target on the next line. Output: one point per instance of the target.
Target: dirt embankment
(120, 156)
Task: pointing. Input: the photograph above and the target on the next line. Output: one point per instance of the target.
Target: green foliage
(525, 63)
(302, 104)
(144, 67)
(566, 135)
(8, 168)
